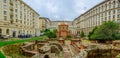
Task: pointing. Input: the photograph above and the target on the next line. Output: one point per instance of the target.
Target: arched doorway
(57, 45)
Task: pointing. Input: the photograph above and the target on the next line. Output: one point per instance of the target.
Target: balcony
(11, 21)
(11, 13)
(11, 8)
(11, 2)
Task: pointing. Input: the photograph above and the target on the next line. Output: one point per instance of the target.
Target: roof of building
(91, 9)
(29, 7)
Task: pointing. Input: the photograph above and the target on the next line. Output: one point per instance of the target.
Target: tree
(82, 34)
(91, 33)
(50, 34)
(47, 30)
(54, 33)
(107, 31)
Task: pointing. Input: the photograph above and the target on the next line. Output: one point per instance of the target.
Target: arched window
(7, 31)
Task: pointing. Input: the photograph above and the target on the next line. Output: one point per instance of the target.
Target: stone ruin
(40, 49)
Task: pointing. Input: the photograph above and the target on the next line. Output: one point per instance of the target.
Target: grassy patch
(13, 51)
(1, 55)
(4, 43)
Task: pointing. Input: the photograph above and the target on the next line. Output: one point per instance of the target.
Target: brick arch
(57, 45)
(46, 56)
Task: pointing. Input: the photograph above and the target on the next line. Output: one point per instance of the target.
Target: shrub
(82, 34)
(107, 31)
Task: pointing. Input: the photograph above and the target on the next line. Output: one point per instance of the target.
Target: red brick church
(63, 30)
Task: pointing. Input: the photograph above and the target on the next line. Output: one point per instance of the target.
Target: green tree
(91, 33)
(47, 30)
(54, 33)
(82, 34)
(107, 31)
(50, 34)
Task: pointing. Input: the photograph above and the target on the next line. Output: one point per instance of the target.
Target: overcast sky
(61, 9)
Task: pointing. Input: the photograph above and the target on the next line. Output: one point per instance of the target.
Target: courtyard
(59, 29)
(70, 49)
(61, 44)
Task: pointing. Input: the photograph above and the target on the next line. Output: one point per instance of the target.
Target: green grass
(4, 43)
(1, 55)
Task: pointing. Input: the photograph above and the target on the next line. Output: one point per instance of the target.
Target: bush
(82, 34)
(50, 34)
(107, 31)
(91, 33)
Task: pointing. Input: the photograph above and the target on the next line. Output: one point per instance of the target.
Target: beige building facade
(44, 23)
(109, 10)
(16, 17)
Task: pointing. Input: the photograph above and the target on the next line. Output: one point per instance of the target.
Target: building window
(4, 1)
(109, 12)
(16, 10)
(21, 21)
(5, 12)
(0, 31)
(113, 11)
(118, 10)
(16, 5)
(113, 16)
(11, 17)
(4, 6)
(118, 4)
(19, 31)
(105, 6)
(7, 31)
(5, 18)
(109, 5)
(118, 15)
(109, 18)
(11, 0)
(16, 15)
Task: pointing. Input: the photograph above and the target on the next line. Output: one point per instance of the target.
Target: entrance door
(14, 33)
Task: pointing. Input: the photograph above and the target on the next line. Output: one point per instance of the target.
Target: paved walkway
(67, 53)
(67, 50)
